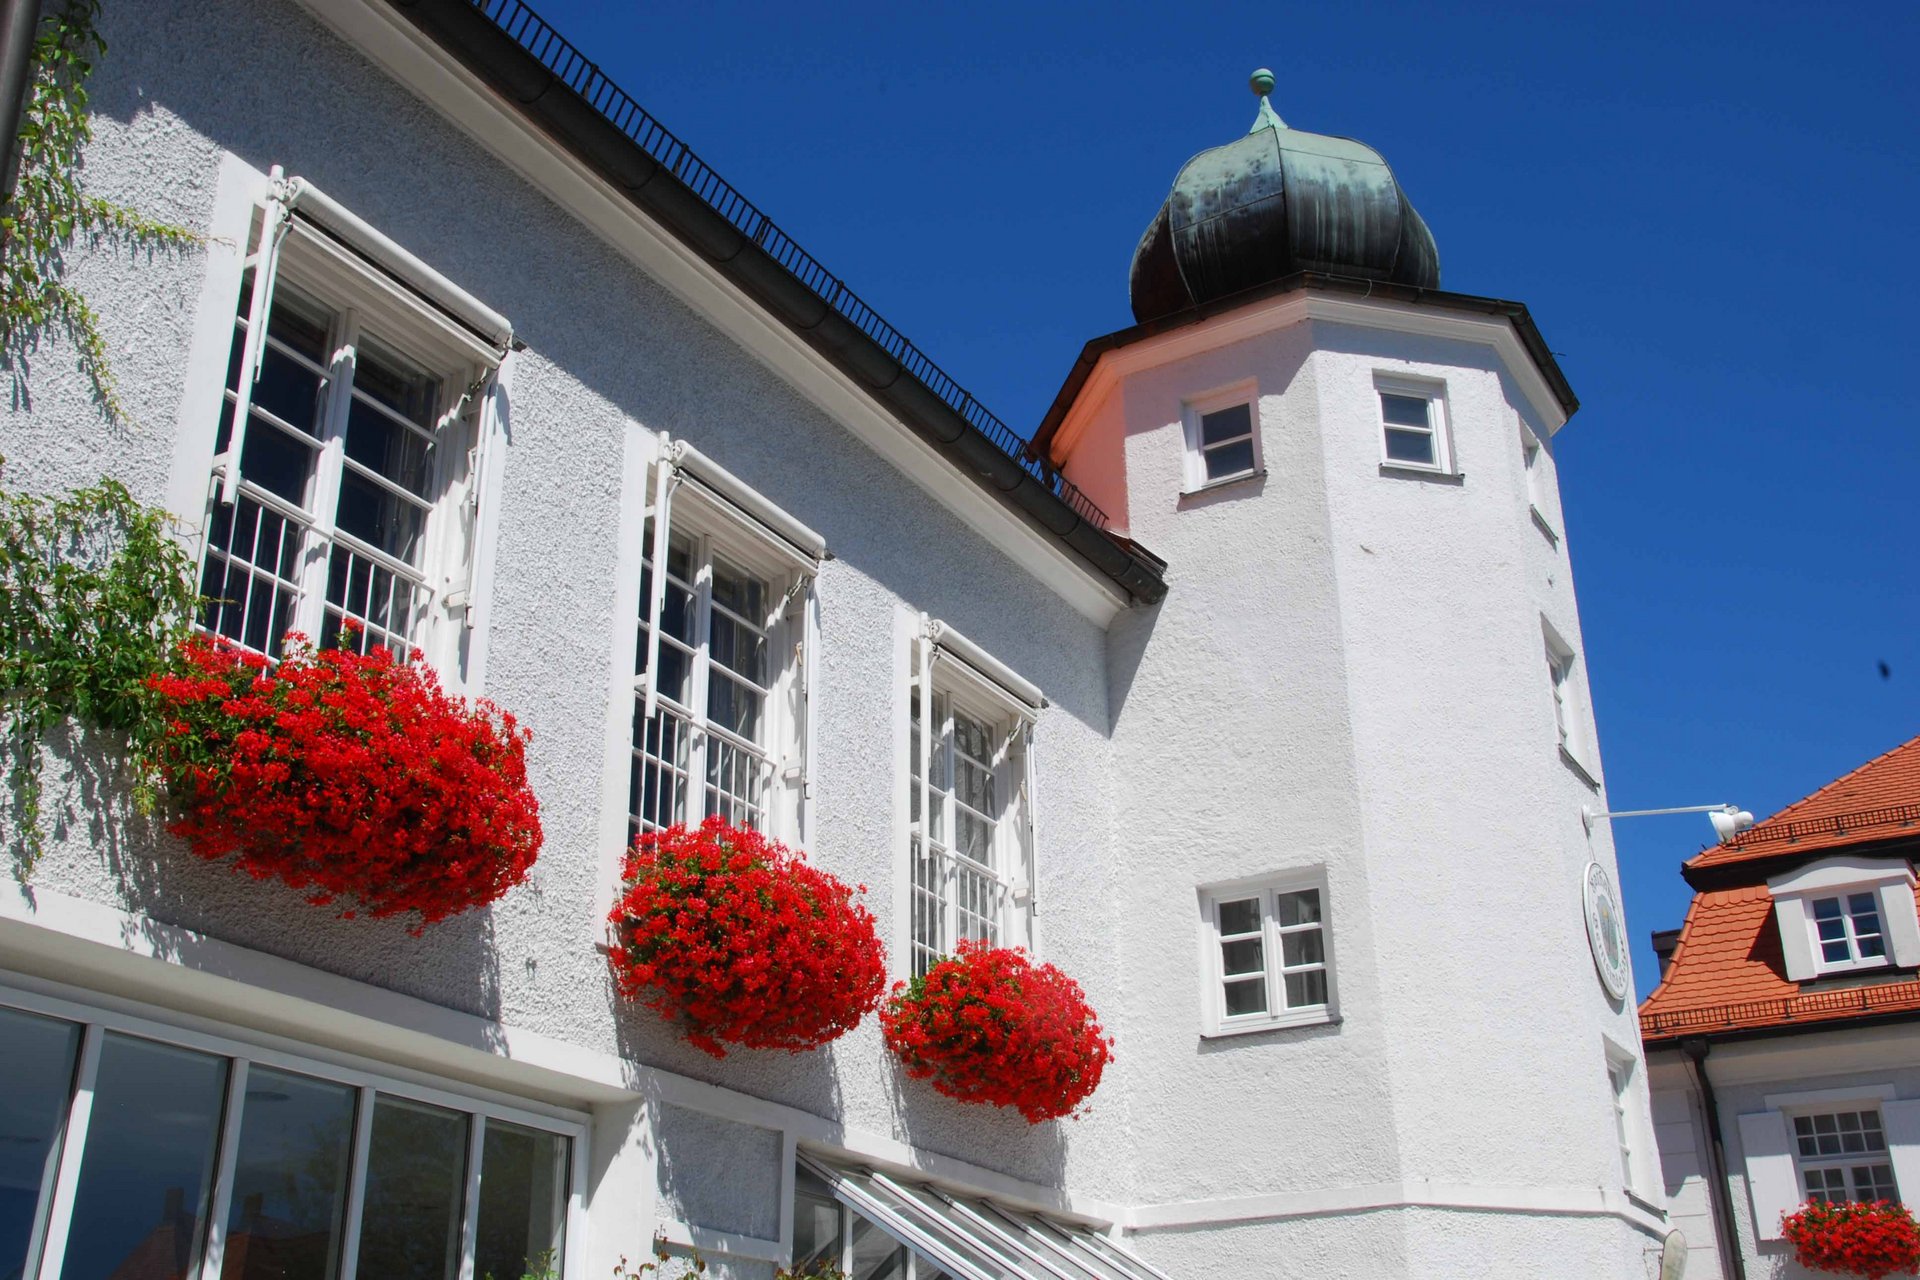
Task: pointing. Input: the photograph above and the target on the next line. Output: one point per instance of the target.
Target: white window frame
(1194, 463)
(1214, 1020)
(1623, 1071)
(302, 241)
(722, 517)
(1439, 421)
(1567, 691)
(46, 1252)
(948, 675)
(1533, 448)
(1846, 1163)
(1890, 881)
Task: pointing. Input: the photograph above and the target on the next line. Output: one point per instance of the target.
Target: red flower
(735, 938)
(989, 1025)
(1871, 1240)
(349, 776)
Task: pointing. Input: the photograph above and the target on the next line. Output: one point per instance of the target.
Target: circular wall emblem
(1605, 933)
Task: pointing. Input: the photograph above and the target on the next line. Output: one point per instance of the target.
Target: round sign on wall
(1606, 934)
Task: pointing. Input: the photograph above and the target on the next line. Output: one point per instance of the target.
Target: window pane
(301, 324)
(1404, 411)
(1307, 947)
(1240, 917)
(1243, 956)
(289, 1179)
(523, 1189)
(1246, 997)
(875, 1255)
(738, 648)
(1226, 424)
(289, 390)
(1229, 460)
(252, 555)
(1835, 952)
(1410, 446)
(380, 517)
(658, 794)
(1302, 906)
(36, 1066)
(384, 375)
(416, 1178)
(1826, 908)
(141, 1206)
(383, 446)
(816, 1225)
(734, 706)
(277, 461)
(739, 591)
(1306, 989)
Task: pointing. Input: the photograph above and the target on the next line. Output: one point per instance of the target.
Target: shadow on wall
(100, 847)
(809, 1081)
(993, 1137)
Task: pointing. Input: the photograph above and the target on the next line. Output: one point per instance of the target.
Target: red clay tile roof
(1880, 800)
(1727, 973)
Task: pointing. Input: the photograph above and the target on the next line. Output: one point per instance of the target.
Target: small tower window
(1413, 425)
(1223, 444)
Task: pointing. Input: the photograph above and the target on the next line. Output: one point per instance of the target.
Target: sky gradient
(1708, 208)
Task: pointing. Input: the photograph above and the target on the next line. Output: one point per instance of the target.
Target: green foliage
(49, 211)
(95, 595)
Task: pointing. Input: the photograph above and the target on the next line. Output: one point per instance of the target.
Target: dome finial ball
(1262, 82)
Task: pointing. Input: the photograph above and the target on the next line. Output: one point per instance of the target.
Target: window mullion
(470, 1219)
(229, 1155)
(50, 1232)
(311, 612)
(702, 745)
(356, 1184)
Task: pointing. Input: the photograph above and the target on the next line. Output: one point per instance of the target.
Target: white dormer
(1839, 915)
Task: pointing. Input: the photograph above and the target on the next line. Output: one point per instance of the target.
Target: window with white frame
(719, 688)
(1569, 708)
(1842, 1156)
(870, 1225)
(344, 478)
(970, 805)
(1620, 1082)
(1222, 438)
(1413, 425)
(1847, 931)
(1845, 914)
(1267, 959)
(139, 1150)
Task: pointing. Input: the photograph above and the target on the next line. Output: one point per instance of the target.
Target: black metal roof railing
(1816, 1006)
(1835, 824)
(532, 33)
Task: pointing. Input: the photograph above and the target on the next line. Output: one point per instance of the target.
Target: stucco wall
(610, 355)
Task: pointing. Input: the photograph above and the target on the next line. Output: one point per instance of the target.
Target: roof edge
(1090, 354)
(891, 377)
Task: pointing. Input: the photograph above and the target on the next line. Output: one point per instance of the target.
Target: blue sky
(1710, 210)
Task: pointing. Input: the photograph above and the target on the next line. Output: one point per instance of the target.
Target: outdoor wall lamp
(1728, 821)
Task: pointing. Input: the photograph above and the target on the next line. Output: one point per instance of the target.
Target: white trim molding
(1416, 1193)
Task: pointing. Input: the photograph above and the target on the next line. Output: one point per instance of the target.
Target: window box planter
(988, 1025)
(351, 776)
(738, 941)
(1872, 1239)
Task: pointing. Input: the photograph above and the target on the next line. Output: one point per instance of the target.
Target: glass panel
(1229, 460)
(36, 1065)
(1306, 989)
(739, 591)
(1835, 952)
(816, 1224)
(245, 584)
(1410, 446)
(390, 606)
(141, 1207)
(1240, 917)
(1833, 929)
(658, 793)
(1241, 957)
(384, 447)
(380, 517)
(301, 324)
(1404, 411)
(1246, 997)
(1226, 424)
(1301, 906)
(739, 648)
(382, 374)
(523, 1189)
(289, 1179)
(1826, 908)
(288, 390)
(875, 1254)
(416, 1179)
(733, 706)
(1306, 947)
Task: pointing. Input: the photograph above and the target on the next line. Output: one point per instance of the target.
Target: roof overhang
(1506, 327)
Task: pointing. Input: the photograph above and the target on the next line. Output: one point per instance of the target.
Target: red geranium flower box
(738, 940)
(989, 1025)
(1871, 1240)
(350, 775)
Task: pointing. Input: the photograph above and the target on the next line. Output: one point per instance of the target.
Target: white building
(1292, 626)
(1781, 1041)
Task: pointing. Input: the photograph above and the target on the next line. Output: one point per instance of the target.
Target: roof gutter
(1522, 319)
(556, 108)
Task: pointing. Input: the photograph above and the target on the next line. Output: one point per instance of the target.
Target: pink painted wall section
(1096, 455)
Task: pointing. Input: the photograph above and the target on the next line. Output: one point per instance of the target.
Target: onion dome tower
(1274, 203)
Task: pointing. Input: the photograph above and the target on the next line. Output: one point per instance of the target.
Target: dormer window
(1846, 914)
(1223, 438)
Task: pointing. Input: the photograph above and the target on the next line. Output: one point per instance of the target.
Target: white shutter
(1772, 1184)
(265, 262)
(1902, 1121)
(1903, 927)
(1796, 939)
(660, 510)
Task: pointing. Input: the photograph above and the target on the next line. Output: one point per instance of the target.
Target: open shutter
(1796, 939)
(265, 261)
(660, 511)
(1771, 1183)
(1903, 926)
(1902, 1121)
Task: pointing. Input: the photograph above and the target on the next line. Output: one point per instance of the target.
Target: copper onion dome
(1273, 203)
